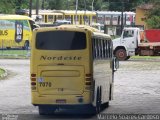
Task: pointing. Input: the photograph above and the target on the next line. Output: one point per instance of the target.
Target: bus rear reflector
(33, 75)
(33, 83)
(88, 83)
(88, 75)
(88, 79)
(33, 79)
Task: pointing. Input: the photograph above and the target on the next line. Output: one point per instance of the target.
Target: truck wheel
(121, 54)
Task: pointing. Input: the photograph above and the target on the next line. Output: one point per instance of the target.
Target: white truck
(134, 41)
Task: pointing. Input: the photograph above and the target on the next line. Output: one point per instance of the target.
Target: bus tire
(104, 105)
(98, 101)
(26, 45)
(121, 54)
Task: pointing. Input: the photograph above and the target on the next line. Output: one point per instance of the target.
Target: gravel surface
(136, 90)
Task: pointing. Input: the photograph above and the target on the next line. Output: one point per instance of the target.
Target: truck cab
(126, 45)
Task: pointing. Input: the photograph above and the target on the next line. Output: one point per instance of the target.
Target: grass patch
(145, 57)
(14, 53)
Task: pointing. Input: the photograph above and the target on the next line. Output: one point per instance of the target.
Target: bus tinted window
(61, 40)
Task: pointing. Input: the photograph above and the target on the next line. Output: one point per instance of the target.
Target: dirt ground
(136, 89)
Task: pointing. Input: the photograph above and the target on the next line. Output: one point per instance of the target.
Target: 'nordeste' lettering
(60, 58)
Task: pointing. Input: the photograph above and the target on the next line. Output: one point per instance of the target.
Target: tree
(6, 6)
(153, 16)
(128, 5)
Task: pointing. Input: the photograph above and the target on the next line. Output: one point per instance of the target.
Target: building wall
(140, 17)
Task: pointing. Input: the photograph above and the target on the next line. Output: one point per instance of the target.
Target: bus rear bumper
(85, 98)
(78, 109)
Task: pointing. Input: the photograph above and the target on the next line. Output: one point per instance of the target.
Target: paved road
(137, 89)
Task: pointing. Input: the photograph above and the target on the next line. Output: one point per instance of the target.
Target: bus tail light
(33, 81)
(88, 75)
(88, 81)
(33, 75)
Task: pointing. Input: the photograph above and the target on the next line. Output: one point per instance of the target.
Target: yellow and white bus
(75, 17)
(79, 17)
(16, 31)
(71, 66)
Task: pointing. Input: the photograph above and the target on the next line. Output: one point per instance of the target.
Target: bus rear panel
(59, 64)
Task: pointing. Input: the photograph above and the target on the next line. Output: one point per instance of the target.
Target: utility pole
(92, 5)
(42, 4)
(85, 12)
(37, 7)
(30, 8)
(76, 11)
(122, 16)
(67, 4)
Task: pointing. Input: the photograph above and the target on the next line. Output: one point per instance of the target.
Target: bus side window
(102, 50)
(96, 45)
(93, 48)
(111, 49)
(105, 52)
(99, 49)
(107, 49)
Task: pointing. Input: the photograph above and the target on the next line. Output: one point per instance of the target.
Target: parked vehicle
(61, 22)
(66, 69)
(134, 41)
(16, 31)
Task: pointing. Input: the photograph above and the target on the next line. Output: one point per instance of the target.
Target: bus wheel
(121, 54)
(98, 101)
(26, 45)
(43, 110)
(104, 105)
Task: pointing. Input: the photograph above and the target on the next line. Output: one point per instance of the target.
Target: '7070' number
(45, 84)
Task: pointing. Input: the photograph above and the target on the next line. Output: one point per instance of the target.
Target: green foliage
(6, 6)
(10, 6)
(153, 22)
(153, 16)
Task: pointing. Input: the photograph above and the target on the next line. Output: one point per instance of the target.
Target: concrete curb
(4, 74)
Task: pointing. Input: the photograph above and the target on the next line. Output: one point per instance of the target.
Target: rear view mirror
(115, 64)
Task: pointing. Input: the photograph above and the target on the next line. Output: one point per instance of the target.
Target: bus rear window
(61, 40)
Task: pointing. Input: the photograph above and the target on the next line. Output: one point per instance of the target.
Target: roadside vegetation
(14, 53)
(1, 72)
(145, 57)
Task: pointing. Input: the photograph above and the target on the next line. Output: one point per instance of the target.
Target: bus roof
(96, 32)
(102, 35)
(114, 13)
(16, 17)
(73, 12)
(81, 27)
